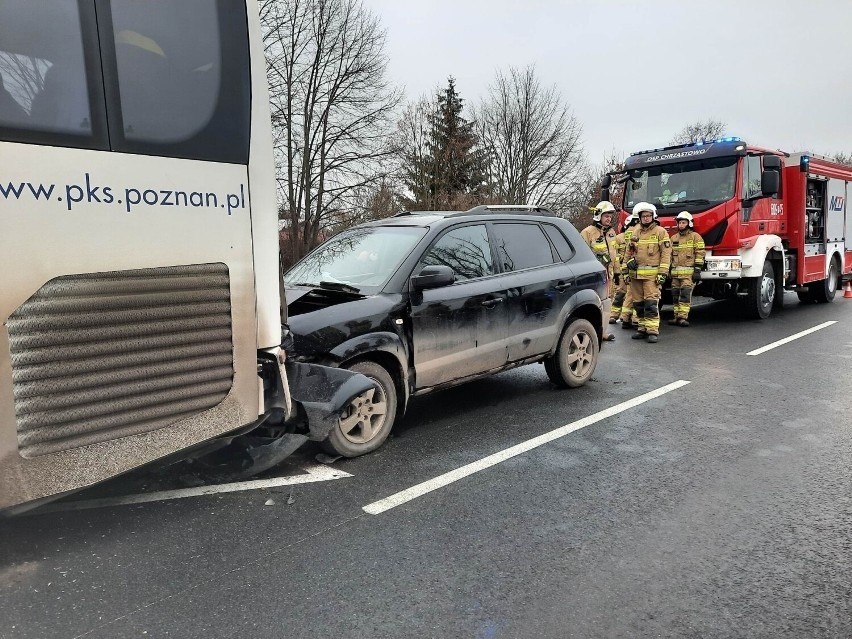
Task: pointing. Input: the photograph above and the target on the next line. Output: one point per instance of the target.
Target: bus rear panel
(138, 248)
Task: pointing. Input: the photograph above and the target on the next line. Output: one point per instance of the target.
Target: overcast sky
(778, 73)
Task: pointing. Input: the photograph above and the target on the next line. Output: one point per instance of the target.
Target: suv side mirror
(433, 277)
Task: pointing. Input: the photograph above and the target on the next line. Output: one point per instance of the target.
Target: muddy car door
(459, 329)
(539, 285)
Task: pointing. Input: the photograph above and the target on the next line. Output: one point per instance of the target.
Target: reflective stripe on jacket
(687, 253)
(652, 249)
(601, 243)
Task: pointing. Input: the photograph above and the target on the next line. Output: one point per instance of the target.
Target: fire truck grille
(101, 356)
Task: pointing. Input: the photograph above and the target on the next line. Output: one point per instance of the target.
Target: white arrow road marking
(314, 473)
(460, 473)
(781, 342)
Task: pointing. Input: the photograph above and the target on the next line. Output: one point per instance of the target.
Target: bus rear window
(151, 77)
(182, 78)
(44, 85)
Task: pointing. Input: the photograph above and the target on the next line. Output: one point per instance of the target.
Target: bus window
(179, 95)
(44, 85)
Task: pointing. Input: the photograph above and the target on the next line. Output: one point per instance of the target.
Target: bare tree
(332, 109)
(593, 175)
(533, 142)
(699, 131)
(843, 158)
(374, 201)
(413, 154)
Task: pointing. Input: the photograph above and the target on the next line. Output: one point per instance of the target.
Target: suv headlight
(725, 265)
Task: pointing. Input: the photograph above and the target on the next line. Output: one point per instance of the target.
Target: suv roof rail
(401, 214)
(529, 209)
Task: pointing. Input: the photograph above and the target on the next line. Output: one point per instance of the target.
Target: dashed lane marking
(314, 473)
(781, 342)
(419, 490)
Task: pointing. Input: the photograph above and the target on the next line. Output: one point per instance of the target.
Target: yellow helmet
(601, 208)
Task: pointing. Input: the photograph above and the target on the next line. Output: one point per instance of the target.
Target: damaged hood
(308, 299)
(320, 319)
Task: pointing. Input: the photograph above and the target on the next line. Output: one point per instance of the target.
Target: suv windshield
(681, 184)
(361, 258)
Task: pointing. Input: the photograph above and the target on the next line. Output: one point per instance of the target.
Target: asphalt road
(720, 509)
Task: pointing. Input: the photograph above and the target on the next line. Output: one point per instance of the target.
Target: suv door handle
(491, 303)
(561, 286)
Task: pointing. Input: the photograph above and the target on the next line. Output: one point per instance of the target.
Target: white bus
(140, 307)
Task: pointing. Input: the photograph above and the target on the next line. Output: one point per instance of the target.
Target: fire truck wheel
(824, 290)
(761, 293)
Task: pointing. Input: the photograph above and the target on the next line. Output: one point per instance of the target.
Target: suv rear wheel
(576, 355)
(368, 419)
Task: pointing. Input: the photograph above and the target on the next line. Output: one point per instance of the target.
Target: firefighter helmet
(686, 215)
(644, 206)
(630, 220)
(601, 208)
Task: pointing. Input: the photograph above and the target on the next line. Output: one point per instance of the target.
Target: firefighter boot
(652, 339)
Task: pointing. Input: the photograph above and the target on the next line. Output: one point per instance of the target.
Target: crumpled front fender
(324, 392)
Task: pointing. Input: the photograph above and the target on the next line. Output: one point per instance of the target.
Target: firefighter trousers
(618, 299)
(646, 303)
(628, 313)
(682, 296)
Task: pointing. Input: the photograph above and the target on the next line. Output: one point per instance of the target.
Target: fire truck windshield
(693, 185)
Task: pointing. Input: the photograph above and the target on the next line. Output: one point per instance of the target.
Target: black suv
(423, 301)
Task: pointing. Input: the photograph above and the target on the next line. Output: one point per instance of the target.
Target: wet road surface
(720, 508)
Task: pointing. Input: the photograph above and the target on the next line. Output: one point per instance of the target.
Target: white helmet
(630, 220)
(644, 206)
(601, 208)
(686, 215)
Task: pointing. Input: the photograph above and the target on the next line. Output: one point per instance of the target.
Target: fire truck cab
(771, 221)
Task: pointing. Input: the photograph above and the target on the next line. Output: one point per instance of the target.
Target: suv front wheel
(367, 421)
(576, 355)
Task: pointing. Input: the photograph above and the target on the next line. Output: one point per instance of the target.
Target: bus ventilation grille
(101, 356)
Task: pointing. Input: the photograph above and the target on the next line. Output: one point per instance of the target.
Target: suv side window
(563, 248)
(521, 246)
(465, 250)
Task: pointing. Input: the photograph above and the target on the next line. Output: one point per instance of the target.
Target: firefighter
(649, 254)
(599, 236)
(621, 302)
(687, 261)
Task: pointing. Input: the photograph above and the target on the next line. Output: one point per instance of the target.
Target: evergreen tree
(458, 166)
(448, 171)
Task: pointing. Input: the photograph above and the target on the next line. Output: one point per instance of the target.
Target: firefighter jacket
(620, 243)
(623, 250)
(602, 244)
(652, 249)
(687, 253)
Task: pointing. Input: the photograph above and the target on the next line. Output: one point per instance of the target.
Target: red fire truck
(772, 221)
